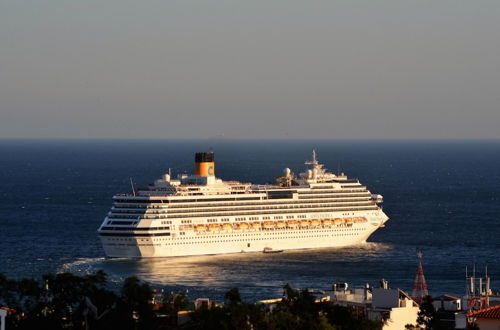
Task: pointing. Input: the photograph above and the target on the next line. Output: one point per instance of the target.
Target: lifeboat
(327, 222)
(280, 224)
(268, 224)
(292, 223)
(337, 221)
(227, 226)
(348, 221)
(213, 226)
(243, 225)
(304, 223)
(200, 228)
(255, 225)
(315, 222)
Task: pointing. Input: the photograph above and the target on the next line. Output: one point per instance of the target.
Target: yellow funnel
(204, 164)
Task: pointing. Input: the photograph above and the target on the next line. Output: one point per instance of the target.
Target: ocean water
(443, 197)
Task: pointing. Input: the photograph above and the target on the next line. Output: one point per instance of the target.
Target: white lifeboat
(200, 228)
(213, 226)
(337, 221)
(280, 224)
(315, 223)
(268, 225)
(256, 225)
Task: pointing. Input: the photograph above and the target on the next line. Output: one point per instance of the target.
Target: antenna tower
(314, 161)
(478, 290)
(419, 286)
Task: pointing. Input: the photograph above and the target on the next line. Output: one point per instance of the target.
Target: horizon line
(245, 139)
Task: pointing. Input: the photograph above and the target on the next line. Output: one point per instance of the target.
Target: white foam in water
(80, 266)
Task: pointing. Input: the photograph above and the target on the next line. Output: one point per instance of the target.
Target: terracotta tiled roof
(487, 313)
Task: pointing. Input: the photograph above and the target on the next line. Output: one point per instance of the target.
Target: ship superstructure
(201, 214)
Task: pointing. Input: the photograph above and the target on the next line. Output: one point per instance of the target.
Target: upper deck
(204, 185)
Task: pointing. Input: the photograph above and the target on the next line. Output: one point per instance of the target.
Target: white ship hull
(238, 241)
(200, 214)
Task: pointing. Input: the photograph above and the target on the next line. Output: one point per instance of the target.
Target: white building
(393, 306)
(447, 302)
(3, 315)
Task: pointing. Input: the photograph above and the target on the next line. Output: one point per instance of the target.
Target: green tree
(282, 320)
(136, 302)
(211, 319)
(173, 303)
(427, 315)
(21, 296)
(62, 305)
(343, 318)
(235, 314)
(232, 297)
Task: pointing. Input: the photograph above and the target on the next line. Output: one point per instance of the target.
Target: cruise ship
(200, 214)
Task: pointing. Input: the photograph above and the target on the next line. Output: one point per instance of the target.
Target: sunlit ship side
(200, 214)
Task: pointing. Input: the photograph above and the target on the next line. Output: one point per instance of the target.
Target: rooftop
(447, 297)
(487, 313)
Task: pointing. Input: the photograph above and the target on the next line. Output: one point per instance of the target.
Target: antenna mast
(314, 161)
(132, 184)
(478, 290)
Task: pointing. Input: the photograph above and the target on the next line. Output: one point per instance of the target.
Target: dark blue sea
(442, 197)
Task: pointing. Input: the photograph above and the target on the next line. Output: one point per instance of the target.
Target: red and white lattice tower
(419, 286)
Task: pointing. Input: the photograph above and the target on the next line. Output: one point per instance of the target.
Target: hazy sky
(250, 69)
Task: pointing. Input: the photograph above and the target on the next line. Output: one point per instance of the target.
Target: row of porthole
(230, 241)
(190, 238)
(254, 239)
